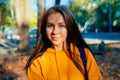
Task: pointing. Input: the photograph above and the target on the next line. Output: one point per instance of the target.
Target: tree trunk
(22, 24)
(40, 14)
(0, 17)
(57, 2)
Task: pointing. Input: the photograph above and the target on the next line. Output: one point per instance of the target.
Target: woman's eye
(49, 26)
(62, 25)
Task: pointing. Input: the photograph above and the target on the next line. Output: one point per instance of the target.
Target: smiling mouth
(55, 38)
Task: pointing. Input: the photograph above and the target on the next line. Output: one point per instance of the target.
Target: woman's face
(56, 30)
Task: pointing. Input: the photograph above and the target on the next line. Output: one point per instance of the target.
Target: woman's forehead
(55, 17)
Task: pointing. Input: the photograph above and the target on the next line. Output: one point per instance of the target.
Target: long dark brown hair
(74, 36)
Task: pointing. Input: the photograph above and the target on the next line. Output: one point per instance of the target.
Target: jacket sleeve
(92, 67)
(34, 71)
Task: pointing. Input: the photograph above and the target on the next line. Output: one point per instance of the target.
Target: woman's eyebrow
(58, 23)
(49, 23)
(62, 23)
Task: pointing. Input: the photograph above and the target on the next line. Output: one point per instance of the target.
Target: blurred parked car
(11, 34)
(33, 33)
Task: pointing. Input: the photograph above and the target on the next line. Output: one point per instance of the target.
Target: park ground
(11, 67)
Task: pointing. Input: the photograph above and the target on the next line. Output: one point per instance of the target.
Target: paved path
(98, 37)
(91, 38)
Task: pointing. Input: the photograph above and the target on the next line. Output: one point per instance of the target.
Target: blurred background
(98, 21)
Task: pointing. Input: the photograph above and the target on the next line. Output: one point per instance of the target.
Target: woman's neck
(59, 47)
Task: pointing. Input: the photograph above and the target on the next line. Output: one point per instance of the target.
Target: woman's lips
(55, 38)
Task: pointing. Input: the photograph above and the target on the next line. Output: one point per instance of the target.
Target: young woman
(56, 56)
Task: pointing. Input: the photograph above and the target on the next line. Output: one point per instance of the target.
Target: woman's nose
(55, 30)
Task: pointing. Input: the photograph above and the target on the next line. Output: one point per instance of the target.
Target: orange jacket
(56, 65)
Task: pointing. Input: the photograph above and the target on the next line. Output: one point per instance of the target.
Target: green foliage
(6, 19)
(102, 13)
(79, 14)
(99, 14)
(115, 10)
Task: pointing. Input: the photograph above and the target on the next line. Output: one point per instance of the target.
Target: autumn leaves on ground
(11, 68)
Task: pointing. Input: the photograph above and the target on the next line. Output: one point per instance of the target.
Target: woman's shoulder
(88, 53)
(87, 50)
(42, 57)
